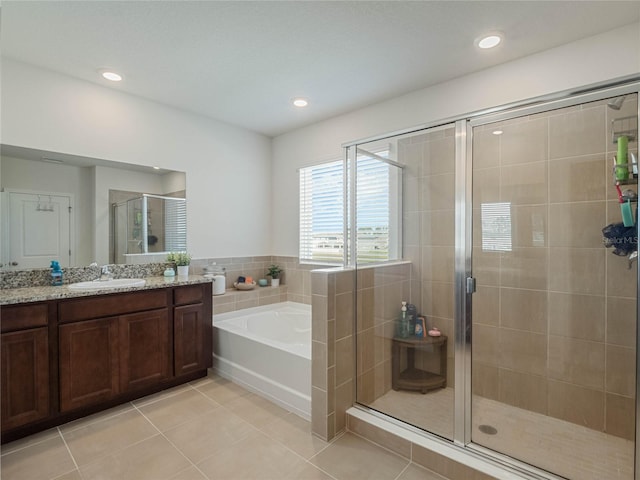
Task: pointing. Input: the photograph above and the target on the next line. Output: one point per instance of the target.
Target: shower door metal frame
(463, 275)
(463, 267)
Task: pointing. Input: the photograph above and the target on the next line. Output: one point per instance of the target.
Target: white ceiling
(243, 61)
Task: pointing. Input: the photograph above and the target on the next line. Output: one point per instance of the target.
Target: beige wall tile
(577, 133)
(486, 267)
(439, 156)
(523, 309)
(486, 186)
(578, 179)
(438, 228)
(621, 370)
(319, 318)
(524, 184)
(524, 268)
(577, 270)
(485, 349)
(486, 148)
(319, 365)
(365, 349)
(345, 281)
(576, 224)
(319, 412)
(344, 315)
(521, 351)
(524, 142)
(529, 226)
(575, 404)
(621, 281)
(411, 228)
(345, 360)
(438, 264)
(579, 362)
(437, 192)
(485, 380)
(345, 398)
(577, 316)
(486, 305)
(523, 390)
(621, 416)
(365, 387)
(366, 308)
(437, 299)
(621, 321)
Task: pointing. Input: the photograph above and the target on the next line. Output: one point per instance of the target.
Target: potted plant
(274, 272)
(182, 261)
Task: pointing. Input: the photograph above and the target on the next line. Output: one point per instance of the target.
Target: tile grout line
(171, 443)
(73, 459)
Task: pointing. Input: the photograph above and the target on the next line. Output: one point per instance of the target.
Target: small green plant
(274, 271)
(179, 258)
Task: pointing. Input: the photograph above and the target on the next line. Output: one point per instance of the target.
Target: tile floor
(570, 450)
(207, 429)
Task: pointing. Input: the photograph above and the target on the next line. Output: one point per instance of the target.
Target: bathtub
(268, 351)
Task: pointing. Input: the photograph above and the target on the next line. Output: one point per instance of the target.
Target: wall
(547, 72)
(228, 168)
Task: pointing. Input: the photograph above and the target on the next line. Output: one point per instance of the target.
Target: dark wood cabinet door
(144, 349)
(89, 361)
(189, 338)
(25, 377)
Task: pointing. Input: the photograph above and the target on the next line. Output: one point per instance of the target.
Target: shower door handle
(471, 285)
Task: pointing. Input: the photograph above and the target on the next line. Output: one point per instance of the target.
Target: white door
(38, 230)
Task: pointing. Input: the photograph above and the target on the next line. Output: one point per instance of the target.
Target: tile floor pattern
(571, 450)
(207, 429)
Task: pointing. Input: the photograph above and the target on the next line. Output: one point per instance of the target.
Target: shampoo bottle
(56, 273)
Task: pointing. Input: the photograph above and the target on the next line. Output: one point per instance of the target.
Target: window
(322, 211)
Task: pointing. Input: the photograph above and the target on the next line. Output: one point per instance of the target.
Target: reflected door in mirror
(38, 230)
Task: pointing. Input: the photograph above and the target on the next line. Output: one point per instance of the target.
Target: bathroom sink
(115, 283)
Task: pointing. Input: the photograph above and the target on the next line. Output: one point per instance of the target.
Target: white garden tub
(268, 351)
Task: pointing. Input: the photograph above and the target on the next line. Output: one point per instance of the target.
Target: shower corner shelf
(413, 378)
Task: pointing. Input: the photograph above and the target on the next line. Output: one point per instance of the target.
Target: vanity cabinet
(25, 365)
(67, 358)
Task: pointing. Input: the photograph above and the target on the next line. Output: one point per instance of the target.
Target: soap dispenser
(56, 273)
(403, 322)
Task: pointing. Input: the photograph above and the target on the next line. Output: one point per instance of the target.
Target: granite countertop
(12, 296)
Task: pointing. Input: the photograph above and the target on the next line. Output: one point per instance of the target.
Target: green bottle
(622, 167)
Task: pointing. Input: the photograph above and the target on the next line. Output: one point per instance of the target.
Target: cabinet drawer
(189, 294)
(108, 305)
(24, 316)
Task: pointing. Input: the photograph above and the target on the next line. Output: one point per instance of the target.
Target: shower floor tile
(571, 450)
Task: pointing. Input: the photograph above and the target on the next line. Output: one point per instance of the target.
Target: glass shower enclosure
(149, 224)
(517, 245)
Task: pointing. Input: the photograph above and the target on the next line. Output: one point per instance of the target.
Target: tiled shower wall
(428, 236)
(554, 317)
(380, 291)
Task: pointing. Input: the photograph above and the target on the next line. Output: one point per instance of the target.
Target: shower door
(554, 312)
(407, 376)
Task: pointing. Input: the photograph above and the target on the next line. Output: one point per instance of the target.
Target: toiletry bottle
(56, 273)
(403, 322)
(622, 167)
(412, 315)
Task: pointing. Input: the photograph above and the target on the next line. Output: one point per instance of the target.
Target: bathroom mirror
(60, 206)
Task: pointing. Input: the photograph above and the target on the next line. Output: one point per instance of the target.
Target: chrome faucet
(105, 274)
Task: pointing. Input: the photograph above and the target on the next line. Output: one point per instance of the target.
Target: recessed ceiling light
(113, 76)
(156, 168)
(300, 102)
(489, 41)
(497, 132)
